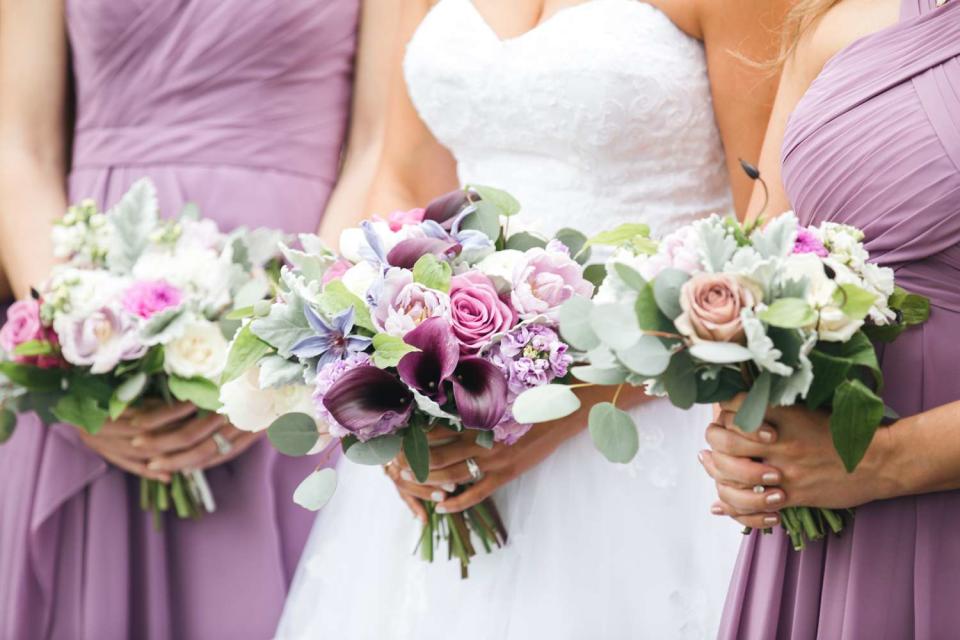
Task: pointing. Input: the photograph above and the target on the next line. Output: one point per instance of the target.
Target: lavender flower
(531, 356)
(333, 341)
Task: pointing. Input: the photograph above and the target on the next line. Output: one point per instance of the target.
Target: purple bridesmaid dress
(875, 143)
(239, 106)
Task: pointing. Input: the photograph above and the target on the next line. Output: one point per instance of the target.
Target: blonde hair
(799, 19)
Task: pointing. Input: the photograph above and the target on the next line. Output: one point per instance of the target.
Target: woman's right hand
(114, 442)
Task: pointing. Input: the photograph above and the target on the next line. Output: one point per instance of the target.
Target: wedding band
(759, 488)
(474, 470)
(224, 446)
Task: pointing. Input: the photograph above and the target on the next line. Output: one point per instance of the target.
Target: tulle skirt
(596, 550)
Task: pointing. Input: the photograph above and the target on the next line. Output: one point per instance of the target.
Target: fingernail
(774, 498)
(154, 466)
(406, 475)
(700, 456)
(137, 442)
(437, 496)
(717, 511)
(441, 510)
(771, 520)
(766, 435)
(771, 478)
(449, 487)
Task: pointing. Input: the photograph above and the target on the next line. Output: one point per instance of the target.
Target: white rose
(500, 266)
(359, 278)
(251, 408)
(834, 325)
(199, 351)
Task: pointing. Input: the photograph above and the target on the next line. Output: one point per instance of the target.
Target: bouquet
(430, 317)
(782, 312)
(138, 307)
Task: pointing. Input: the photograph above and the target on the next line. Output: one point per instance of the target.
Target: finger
(738, 472)
(119, 429)
(767, 433)
(421, 491)
(733, 443)
(474, 495)
(415, 506)
(187, 435)
(734, 403)
(457, 453)
(134, 467)
(440, 432)
(745, 502)
(453, 475)
(240, 441)
(150, 418)
(755, 521)
(119, 447)
(188, 459)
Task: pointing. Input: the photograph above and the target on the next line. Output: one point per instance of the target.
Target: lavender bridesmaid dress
(241, 107)
(875, 143)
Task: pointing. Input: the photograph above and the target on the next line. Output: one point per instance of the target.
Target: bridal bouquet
(138, 308)
(783, 312)
(431, 317)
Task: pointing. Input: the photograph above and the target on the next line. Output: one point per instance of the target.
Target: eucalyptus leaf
(505, 203)
(680, 380)
(595, 274)
(857, 412)
(375, 452)
(485, 218)
(720, 352)
(576, 242)
(294, 434)
(545, 403)
(666, 291)
(575, 326)
(524, 241)
(316, 489)
(754, 407)
(416, 449)
(616, 323)
(598, 375)
(200, 391)
(647, 357)
(630, 276)
(613, 433)
(245, 351)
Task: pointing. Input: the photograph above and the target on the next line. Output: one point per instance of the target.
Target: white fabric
(598, 116)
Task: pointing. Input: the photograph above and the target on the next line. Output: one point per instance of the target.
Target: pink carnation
(147, 298)
(808, 242)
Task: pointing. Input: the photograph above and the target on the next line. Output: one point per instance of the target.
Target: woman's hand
(799, 466)
(202, 442)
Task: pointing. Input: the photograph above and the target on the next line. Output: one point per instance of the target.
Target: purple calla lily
(479, 387)
(406, 253)
(445, 209)
(369, 402)
(333, 340)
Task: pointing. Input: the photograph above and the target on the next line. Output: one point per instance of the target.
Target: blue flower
(332, 341)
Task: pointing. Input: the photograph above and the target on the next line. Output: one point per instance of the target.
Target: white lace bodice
(600, 115)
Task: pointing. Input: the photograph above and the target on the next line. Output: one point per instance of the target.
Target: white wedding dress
(598, 116)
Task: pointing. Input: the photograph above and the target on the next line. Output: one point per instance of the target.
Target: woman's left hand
(799, 465)
(193, 445)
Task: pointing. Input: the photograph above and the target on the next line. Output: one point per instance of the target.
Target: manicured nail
(441, 510)
(137, 442)
(766, 435)
(449, 487)
(700, 456)
(771, 520)
(717, 511)
(775, 498)
(406, 475)
(437, 496)
(771, 478)
(154, 465)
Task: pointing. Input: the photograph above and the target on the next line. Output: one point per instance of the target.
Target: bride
(592, 113)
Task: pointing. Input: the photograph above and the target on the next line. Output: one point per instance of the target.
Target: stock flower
(531, 356)
(100, 340)
(477, 312)
(544, 281)
(332, 341)
(711, 304)
(199, 351)
(402, 304)
(368, 402)
(146, 298)
(808, 242)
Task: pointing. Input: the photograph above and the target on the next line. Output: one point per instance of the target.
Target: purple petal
(312, 347)
(406, 253)
(425, 370)
(445, 208)
(480, 393)
(369, 402)
(318, 324)
(374, 242)
(357, 343)
(343, 323)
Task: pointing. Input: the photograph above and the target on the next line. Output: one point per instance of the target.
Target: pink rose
(399, 219)
(711, 304)
(544, 281)
(336, 271)
(23, 325)
(477, 311)
(147, 298)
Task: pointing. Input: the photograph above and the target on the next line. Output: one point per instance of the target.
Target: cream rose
(711, 305)
(199, 351)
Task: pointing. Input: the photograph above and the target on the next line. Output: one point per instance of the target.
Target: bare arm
(33, 87)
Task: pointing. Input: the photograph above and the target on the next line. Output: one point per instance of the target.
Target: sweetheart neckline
(471, 5)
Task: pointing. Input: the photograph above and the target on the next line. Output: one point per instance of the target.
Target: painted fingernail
(771, 520)
(771, 478)
(775, 498)
(154, 466)
(717, 511)
(406, 475)
(700, 456)
(766, 435)
(437, 496)
(449, 487)
(441, 510)
(137, 442)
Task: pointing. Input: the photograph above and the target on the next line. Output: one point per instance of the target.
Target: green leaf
(724, 386)
(376, 452)
(133, 219)
(486, 219)
(754, 407)
(505, 203)
(595, 274)
(854, 301)
(789, 313)
(666, 291)
(283, 327)
(720, 352)
(484, 439)
(81, 411)
(245, 351)
(293, 434)
(576, 242)
(828, 372)
(336, 298)
(630, 276)
(544, 404)
(433, 273)
(648, 357)
(614, 433)
(915, 309)
(620, 235)
(163, 326)
(680, 380)
(598, 375)
(417, 451)
(279, 372)
(200, 391)
(128, 391)
(316, 489)
(648, 313)
(389, 350)
(94, 386)
(152, 362)
(240, 314)
(616, 323)
(524, 241)
(33, 348)
(33, 378)
(575, 323)
(8, 424)
(857, 412)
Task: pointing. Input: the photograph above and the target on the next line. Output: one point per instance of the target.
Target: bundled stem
(458, 530)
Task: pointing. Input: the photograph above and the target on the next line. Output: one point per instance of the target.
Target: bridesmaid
(240, 107)
(866, 122)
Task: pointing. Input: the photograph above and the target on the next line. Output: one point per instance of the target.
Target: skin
(414, 168)
(799, 463)
(152, 441)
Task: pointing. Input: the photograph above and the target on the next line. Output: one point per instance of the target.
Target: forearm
(920, 454)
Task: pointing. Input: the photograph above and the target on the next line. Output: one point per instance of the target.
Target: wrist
(888, 460)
